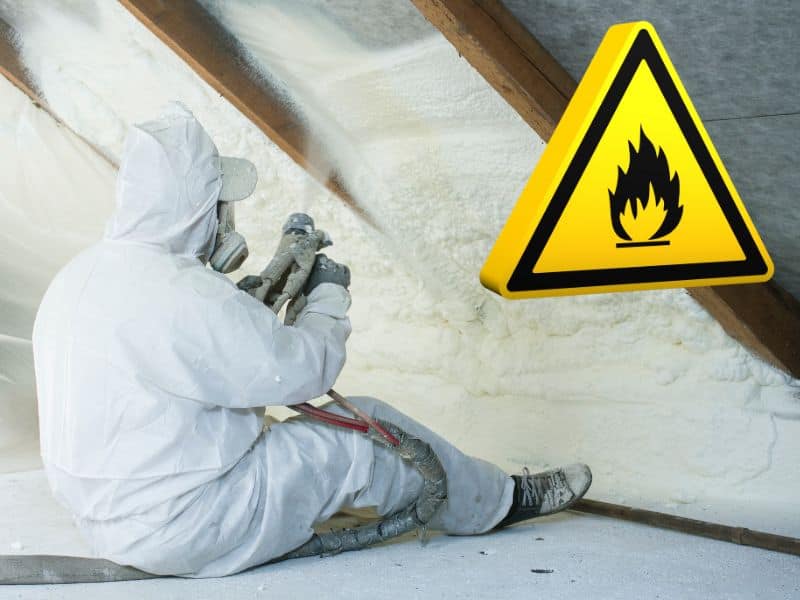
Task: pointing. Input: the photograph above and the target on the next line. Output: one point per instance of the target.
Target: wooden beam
(11, 66)
(763, 317)
(714, 531)
(224, 63)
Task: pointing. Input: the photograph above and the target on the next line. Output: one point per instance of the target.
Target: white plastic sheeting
(55, 196)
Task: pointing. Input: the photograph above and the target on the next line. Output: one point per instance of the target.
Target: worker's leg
(300, 473)
(354, 472)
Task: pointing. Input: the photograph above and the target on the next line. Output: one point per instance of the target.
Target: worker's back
(122, 416)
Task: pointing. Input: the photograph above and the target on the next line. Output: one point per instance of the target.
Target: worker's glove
(250, 283)
(326, 270)
(286, 274)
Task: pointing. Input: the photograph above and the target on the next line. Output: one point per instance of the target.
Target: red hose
(331, 418)
(344, 402)
(363, 423)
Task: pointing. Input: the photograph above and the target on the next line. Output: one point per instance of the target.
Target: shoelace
(537, 490)
(530, 488)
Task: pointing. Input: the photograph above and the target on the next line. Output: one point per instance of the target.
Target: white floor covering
(571, 555)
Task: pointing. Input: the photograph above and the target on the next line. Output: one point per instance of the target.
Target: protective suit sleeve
(242, 356)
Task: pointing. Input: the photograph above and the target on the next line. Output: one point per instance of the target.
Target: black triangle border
(524, 279)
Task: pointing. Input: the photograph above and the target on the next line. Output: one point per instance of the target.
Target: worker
(154, 369)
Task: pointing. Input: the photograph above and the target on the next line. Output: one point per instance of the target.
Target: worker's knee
(372, 406)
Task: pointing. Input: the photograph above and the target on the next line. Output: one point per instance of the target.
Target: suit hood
(168, 185)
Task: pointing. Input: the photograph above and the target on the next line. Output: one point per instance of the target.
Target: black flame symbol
(647, 170)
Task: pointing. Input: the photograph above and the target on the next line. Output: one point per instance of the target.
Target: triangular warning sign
(629, 193)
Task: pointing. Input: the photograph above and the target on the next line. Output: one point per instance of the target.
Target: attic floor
(570, 555)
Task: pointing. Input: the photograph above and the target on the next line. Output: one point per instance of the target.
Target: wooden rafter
(222, 62)
(763, 317)
(11, 67)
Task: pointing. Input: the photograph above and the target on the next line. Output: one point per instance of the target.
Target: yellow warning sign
(630, 193)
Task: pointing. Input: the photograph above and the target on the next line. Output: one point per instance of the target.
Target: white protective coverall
(152, 373)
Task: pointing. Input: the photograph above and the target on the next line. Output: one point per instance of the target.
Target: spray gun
(283, 278)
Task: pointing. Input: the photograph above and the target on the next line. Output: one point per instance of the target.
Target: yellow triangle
(630, 193)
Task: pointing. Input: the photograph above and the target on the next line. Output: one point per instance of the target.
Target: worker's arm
(310, 354)
(233, 351)
(290, 364)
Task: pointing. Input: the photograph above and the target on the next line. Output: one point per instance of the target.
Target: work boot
(547, 492)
